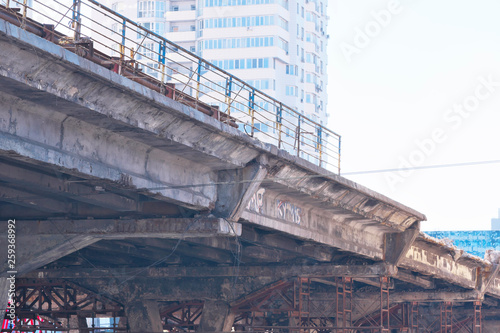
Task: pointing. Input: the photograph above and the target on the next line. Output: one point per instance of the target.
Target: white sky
(402, 86)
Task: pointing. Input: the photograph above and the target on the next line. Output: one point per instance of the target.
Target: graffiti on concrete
(257, 201)
(288, 211)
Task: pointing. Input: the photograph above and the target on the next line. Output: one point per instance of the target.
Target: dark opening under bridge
(130, 204)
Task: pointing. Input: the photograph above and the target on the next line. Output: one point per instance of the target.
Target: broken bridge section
(135, 207)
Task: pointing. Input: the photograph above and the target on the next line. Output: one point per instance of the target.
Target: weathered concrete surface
(274, 272)
(100, 153)
(102, 127)
(398, 244)
(236, 188)
(491, 326)
(216, 317)
(144, 316)
(280, 212)
(106, 126)
(53, 239)
(128, 287)
(432, 259)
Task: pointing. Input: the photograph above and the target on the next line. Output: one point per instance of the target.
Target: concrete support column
(78, 324)
(122, 322)
(143, 316)
(216, 317)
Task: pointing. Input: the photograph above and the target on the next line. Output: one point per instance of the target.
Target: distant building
(473, 242)
(495, 222)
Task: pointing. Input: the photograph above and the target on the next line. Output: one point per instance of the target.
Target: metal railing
(142, 47)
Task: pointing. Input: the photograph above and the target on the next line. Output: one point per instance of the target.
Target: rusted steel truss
(50, 305)
(182, 316)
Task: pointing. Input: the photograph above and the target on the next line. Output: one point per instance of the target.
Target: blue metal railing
(143, 45)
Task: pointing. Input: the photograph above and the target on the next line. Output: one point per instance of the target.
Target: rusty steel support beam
(344, 303)
(384, 304)
(446, 317)
(413, 317)
(302, 302)
(477, 322)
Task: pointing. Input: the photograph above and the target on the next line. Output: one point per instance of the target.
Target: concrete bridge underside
(149, 207)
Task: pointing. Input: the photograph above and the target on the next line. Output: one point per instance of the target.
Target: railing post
(319, 143)
(251, 109)
(229, 87)
(279, 118)
(198, 79)
(122, 46)
(338, 166)
(25, 11)
(161, 59)
(77, 24)
(297, 135)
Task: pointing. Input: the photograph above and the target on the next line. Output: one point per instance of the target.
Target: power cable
(273, 179)
(423, 167)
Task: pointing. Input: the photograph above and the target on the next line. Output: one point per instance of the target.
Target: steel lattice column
(477, 325)
(344, 303)
(446, 317)
(384, 304)
(302, 302)
(414, 317)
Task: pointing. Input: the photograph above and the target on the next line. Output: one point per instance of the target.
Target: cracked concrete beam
(271, 271)
(396, 245)
(237, 187)
(54, 185)
(48, 240)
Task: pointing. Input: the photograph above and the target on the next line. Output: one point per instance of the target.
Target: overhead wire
(273, 179)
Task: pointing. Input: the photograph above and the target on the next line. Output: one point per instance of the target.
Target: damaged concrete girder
(43, 182)
(492, 286)
(415, 279)
(397, 244)
(117, 102)
(40, 250)
(129, 286)
(436, 261)
(275, 272)
(281, 242)
(48, 240)
(280, 210)
(236, 188)
(486, 279)
(337, 192)
(91, 152)
(133, 228)
(32, 200)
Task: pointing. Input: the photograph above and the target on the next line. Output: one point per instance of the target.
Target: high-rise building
(276, 46)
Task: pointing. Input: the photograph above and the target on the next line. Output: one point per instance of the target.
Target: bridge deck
(121, 189)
